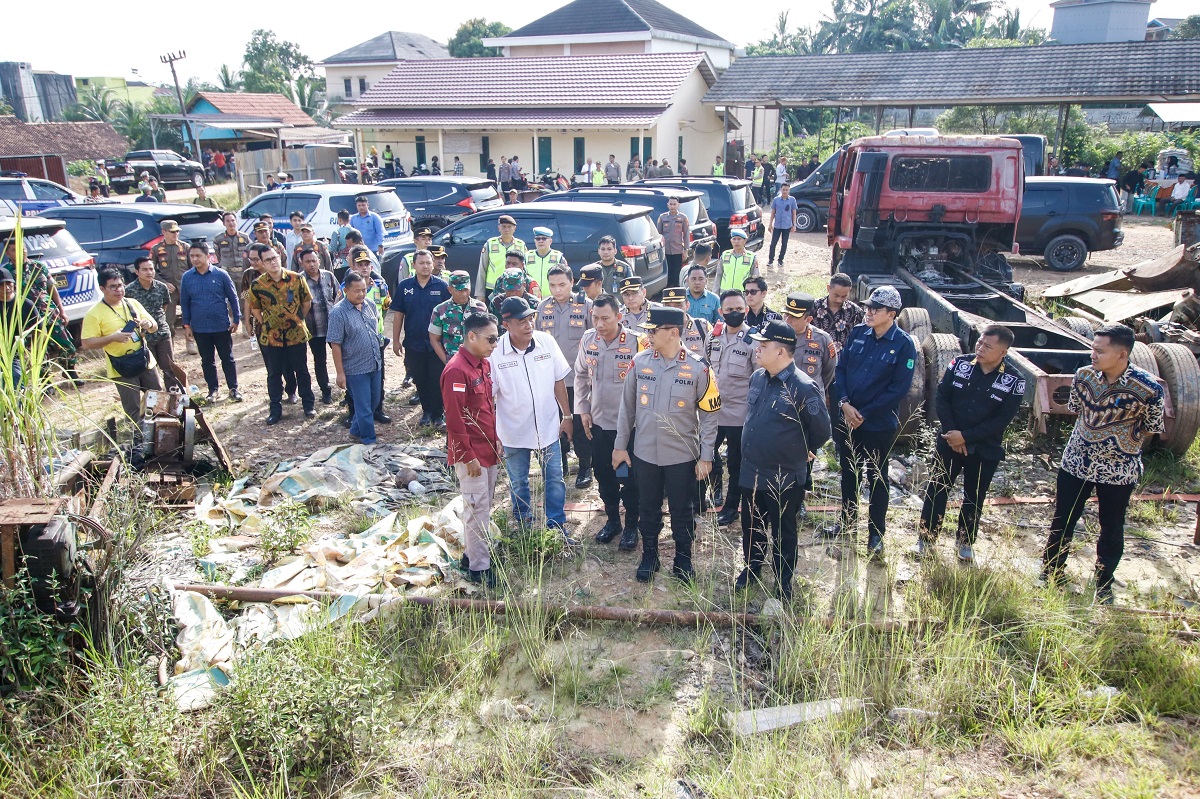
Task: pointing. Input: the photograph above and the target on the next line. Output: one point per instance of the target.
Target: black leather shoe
(235, 395)
(682, 571)
(424, 420)
(292, 399)
(608, 532)
(440, 423)
(383, 418)
(484, 577)
(649, 565)
(718, 497)
(327, 396)
(802, 511)
(414, 400)
(726, 517)
(465, 563)
(831, 530)
(629, 539)
(347, 422)
(310, 413)
(743, 580)
(583, 479)
(875, 546)
(274, 418)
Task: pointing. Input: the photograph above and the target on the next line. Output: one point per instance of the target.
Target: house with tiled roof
(74, 141)
(553, 112)
(350, 73)
(604, 27)
(254, 119)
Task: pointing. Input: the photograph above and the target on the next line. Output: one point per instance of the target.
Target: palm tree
(95, 104)
(229, 80)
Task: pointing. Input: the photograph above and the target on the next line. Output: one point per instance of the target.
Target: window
(85, 229)
(545, 160)
(410, 192)
(362, 85)
(580, 158)
(12, 190)
(484, 193)
(633, 147)
(647, 148)
(679, 153)
(348, 85)
(1038, 201)
(955, 173)
(118, 226)
(485, 155)
(272, 205)
(421, 161)
(48, 191)
(304, 203)
(582, 228)
(383, 203)
(474, 232)
(637, 230)
(441, 191)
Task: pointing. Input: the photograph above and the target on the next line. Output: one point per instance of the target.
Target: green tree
(783, 41)
(229, 80)
(1188, 29)
(467, 40)
(94, 104)
(270, 65)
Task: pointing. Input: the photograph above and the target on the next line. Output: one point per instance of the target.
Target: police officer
(816, 354)
(591, 281)
(735, 265)
(977, 398)
(566, 317)
(539, 260)
(672, 400)
(696, 331)
(170, 259)
(605, 357)
(787, 422)
(493, 256)
(511, 283)
(873, 375)
(422, 239)
(264, 233)
(634, 305)
(731, 355)
(230, 247)
(614, 269)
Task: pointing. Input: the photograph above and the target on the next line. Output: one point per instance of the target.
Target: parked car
(26, 196)
(119, 233)
(171, 169)
(577, 228)
(74, 270)
(812, 196)
(729, 203)
(320, 204)
(1063, 219)
(437, 200)
(691, 204)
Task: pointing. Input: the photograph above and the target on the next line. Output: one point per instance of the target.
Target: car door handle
(1052, 213)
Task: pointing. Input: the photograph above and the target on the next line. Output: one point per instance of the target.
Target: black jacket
(980, 406)
(786, 419)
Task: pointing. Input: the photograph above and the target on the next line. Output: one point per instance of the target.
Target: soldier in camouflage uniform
(511, 283)
(446, 324)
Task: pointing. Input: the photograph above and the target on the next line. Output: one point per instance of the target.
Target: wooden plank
(8, 554)
(101, 500)
(29, 510)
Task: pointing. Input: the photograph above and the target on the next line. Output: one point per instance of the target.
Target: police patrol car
(21, 195)
(74, 271)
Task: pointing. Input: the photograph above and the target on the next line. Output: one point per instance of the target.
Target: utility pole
(169, 59)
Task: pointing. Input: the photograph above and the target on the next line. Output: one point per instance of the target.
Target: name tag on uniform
(545, 356)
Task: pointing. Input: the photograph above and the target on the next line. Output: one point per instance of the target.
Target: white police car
(73, 269)
(320, 203)
(21, 194)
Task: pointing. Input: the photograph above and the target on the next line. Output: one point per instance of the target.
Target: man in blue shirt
(212, 312)
(783, 219)
(412, 308)
(369, 224)
(874, 373)
(702, 303)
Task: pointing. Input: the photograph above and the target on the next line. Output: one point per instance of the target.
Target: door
(421, 151)
(580, 157)
(545, 160)
(485, 155)
(1041, 208)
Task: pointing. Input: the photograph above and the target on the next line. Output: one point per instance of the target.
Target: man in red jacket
(472, 446)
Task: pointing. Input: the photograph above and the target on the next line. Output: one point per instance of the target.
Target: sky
(86, 50)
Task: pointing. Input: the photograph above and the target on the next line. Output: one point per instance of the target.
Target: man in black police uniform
(977, 398)
(874, 373)
(787, 416)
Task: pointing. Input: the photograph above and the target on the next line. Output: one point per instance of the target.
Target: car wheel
(806, 220)
(121, 189)
(1066, 253)
(197, 179)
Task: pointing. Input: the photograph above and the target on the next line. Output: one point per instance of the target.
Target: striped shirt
(355, 330)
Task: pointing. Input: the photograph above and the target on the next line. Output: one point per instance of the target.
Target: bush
(287, 528)
(81, 169)
(33, 647)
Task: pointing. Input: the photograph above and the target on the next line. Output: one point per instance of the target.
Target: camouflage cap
(511, 280)
(459, 279)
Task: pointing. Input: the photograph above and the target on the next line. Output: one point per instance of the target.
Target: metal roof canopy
(1117, 72)
(1176, 113)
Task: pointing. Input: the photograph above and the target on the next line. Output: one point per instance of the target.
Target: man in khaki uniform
(170, 259)
(230, 247)
(815, 355)
(566, 317)
(634, 305)
(671, 398)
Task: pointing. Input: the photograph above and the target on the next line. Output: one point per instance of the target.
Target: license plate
(389, 224)
(753, 226)
(655, 257)
(60, 281)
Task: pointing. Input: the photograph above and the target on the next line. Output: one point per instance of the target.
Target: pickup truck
(171, 169)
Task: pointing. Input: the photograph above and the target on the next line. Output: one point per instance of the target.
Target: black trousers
(289, 360)
(779, 236)
(676, 482)
(977, 478)
(289, 378)
(320, 356)
(583, 447)
(425, 369)
(674, 264)
(382, 373)
(772, 508)
(858, 450)
(733, 435)
(222, 345)
(613, 492)
(1071, 497)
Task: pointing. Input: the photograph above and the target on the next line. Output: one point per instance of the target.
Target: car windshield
(484, 193)
(741, 197)
(637, 230)
(1097, 198)
(384, 203)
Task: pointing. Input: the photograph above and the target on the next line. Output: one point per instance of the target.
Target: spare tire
(1179, 371)
(910, 407)
(939, 350)
(1077, 325)
(915, 322)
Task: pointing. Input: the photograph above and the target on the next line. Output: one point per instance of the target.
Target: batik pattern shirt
(1114, 419)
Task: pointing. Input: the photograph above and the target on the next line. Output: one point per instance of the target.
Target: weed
(33, 647)
(287, 527)
(198, 534)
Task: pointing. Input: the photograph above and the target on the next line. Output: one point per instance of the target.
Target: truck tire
(1178, 368)
(940, 349)
(1066, 253)
(910, 407)
(807, 220)
(1077, 325)
(1142, 357)
(197, 179)
(121, 188)
(915, 322)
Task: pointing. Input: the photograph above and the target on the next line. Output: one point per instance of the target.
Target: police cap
(630, 283)
(776, 331)
(799, 304)
(674, 294)
(664, 317)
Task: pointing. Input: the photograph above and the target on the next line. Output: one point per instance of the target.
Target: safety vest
(598, 178)
(496, 251)
(734, 269)
(375, 297)
(758, 174)
(718, 170)
(537, 266)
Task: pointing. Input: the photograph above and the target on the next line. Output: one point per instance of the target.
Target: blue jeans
(516, 463)
(366, 390)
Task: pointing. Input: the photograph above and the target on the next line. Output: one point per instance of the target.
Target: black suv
(1063, 219)
(577, 228)
(729, 202)
(812, 196)
(691, 204)
(118, 233)
(437, 200)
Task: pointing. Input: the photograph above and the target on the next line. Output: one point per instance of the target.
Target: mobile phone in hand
(623, 471)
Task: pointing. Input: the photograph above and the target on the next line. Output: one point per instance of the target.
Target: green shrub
(287, 527)
(33, 647)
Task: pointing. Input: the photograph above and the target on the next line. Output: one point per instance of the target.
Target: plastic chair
(1184, 204)
(1144, 201)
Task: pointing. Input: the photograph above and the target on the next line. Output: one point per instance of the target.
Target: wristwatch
(843, 401)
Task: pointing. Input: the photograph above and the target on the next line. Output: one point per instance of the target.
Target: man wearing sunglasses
(757, 312)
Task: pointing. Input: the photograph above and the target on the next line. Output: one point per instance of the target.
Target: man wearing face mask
(731, 354)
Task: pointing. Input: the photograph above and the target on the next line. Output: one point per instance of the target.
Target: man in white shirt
(529, 383)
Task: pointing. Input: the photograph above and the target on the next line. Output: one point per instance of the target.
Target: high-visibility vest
(718, 170)
(537, 267)
(375, 297)
(496, 251)
(598, 178)
(734, 269)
